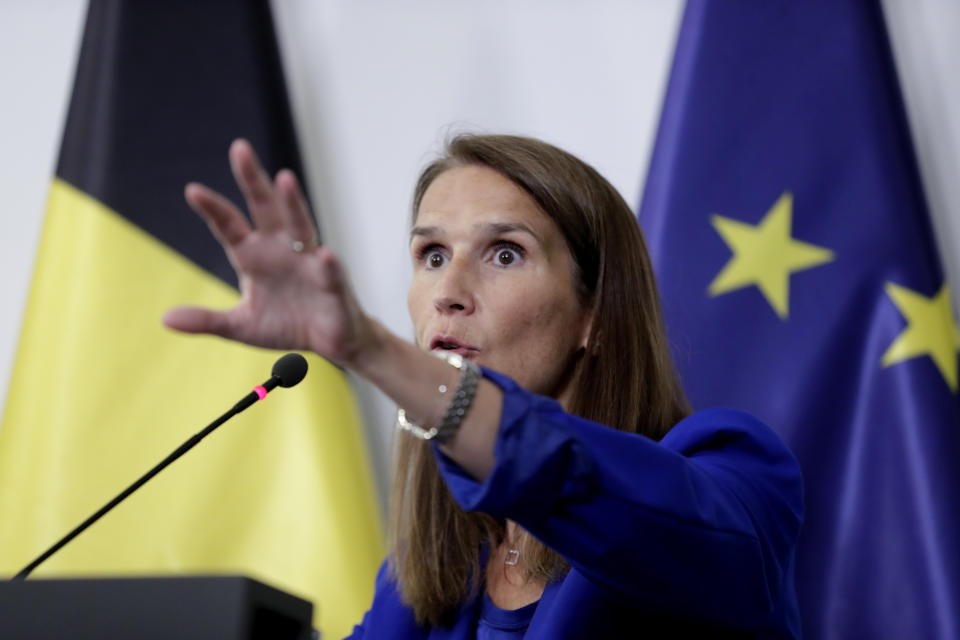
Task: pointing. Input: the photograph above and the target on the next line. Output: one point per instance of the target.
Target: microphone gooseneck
(287, 371)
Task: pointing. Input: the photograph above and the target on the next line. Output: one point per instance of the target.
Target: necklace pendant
(513, 557)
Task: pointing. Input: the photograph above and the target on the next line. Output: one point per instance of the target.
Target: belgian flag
(101, 391)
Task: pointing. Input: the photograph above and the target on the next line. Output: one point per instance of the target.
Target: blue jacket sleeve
(702, 523)
(387, 617)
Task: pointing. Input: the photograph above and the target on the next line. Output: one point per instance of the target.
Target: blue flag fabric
(800, 281)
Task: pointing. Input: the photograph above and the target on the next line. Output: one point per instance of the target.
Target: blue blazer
(692, 534)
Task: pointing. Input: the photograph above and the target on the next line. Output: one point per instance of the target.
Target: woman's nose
(454, 291)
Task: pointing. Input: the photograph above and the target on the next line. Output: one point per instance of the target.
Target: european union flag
(801, 282)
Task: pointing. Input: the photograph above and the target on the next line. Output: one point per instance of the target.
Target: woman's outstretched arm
(295, 294)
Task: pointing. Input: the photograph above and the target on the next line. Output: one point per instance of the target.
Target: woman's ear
(588, 346)
(592, 348)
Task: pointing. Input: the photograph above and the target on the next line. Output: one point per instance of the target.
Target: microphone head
(290, 369)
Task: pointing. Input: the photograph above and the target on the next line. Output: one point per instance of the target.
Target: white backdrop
(376, 85)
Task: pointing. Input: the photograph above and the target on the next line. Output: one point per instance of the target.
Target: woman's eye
(435, 259)
(507, 254)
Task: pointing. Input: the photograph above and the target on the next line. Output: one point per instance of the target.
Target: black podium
(228, 607)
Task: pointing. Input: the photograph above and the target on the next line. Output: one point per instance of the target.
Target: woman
(524, 517)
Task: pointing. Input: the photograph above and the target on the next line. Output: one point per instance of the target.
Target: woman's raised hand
(294, 293)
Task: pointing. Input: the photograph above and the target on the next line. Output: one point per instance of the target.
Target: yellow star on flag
(931, 331)
(765, 255)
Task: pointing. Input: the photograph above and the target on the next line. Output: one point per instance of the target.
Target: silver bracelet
(458, 407)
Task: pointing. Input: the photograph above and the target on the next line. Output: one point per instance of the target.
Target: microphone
(290, 369)
(287, 371)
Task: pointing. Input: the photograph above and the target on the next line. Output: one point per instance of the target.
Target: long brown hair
(625, 378)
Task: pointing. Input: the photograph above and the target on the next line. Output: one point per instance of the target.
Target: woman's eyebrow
(494, 228)
(427, 232)
(489, 228)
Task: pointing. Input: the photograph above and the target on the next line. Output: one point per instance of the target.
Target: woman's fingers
(294, 203)
(336, 277)
(287, 300)
(225, 221)
(256, 186)
(198, 320)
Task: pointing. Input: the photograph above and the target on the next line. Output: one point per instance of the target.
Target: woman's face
(492, 280)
